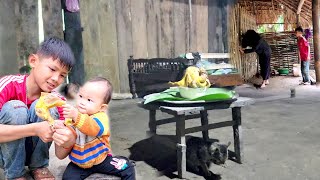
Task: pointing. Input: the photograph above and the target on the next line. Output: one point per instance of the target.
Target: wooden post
(190, 25)
(237, 134)
(73, 36)
(254, 8)
(181, 146)
(298, 20)
(152, 122)
(316, 37)
(300, 6)
(204, 122)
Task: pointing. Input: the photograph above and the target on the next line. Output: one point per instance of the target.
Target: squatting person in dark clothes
(262, 48)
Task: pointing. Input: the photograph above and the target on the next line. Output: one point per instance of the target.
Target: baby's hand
(70, 112)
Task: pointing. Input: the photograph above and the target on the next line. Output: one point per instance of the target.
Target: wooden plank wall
(181, 19)
(147, 29)
(26, 17)
(8, 42)
(100, 40)
(52, 18)
(166, 29)
(124, 39)
(22, 32)
(139, 29)
(218, 25)
(200, 26)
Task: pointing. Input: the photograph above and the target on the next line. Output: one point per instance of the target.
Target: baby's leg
(75, 172)
(13, 154)
(116, 165)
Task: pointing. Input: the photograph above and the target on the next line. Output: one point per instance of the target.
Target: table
(182, 112)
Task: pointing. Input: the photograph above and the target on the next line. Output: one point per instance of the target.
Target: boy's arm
(306, 44)
(61, 152)
(64, 138)
(298, 50)
(309, 53)
(13, 132)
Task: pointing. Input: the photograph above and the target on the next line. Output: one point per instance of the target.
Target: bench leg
(237, 134)
(152, 122)
(181, 146)
(204, 122)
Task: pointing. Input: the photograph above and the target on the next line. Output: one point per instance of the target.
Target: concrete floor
(280, 136)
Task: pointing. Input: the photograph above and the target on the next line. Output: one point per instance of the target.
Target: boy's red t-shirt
(13, 87)
(303, 46)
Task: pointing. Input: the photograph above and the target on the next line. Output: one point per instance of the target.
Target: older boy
(24, 137)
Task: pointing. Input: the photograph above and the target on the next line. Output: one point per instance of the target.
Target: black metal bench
(152, 75)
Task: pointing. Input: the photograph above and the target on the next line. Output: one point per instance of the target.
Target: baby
(92, 151)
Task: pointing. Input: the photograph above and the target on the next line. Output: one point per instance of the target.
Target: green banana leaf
(212, 94)
(172, 94)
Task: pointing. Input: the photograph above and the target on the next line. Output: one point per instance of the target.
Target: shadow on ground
(159, 151)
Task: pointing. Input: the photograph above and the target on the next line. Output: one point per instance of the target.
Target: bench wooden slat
(209, 126)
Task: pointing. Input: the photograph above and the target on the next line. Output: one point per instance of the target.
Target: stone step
(102, 177)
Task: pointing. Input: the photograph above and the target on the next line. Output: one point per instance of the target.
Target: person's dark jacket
(256, 42)
(261, 48)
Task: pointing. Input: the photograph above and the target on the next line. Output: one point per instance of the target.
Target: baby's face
(90, 98)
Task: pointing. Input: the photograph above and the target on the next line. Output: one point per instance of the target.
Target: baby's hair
(298, 29)
(109, 89)
(57, 49)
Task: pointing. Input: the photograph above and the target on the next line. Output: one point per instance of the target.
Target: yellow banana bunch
(45, 102)
(194, 77)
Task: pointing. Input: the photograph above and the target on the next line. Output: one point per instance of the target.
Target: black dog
(201, 154)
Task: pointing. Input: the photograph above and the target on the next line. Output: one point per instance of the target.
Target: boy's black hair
(109, 88)
(57, 49)
(298, 29)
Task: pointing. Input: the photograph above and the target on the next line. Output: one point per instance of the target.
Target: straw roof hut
(267, 11)
(250, 14)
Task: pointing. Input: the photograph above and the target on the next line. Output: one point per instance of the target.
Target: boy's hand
(63, 136)
(309, 57)
(70, 112)
(58, 123)
(44, 131)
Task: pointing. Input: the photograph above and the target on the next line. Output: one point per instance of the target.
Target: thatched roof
(267, 10)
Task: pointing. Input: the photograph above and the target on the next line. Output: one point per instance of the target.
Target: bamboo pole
(300, 6)
(190, 25)
(316, 37)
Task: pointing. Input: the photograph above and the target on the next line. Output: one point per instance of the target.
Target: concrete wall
(8, 41)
